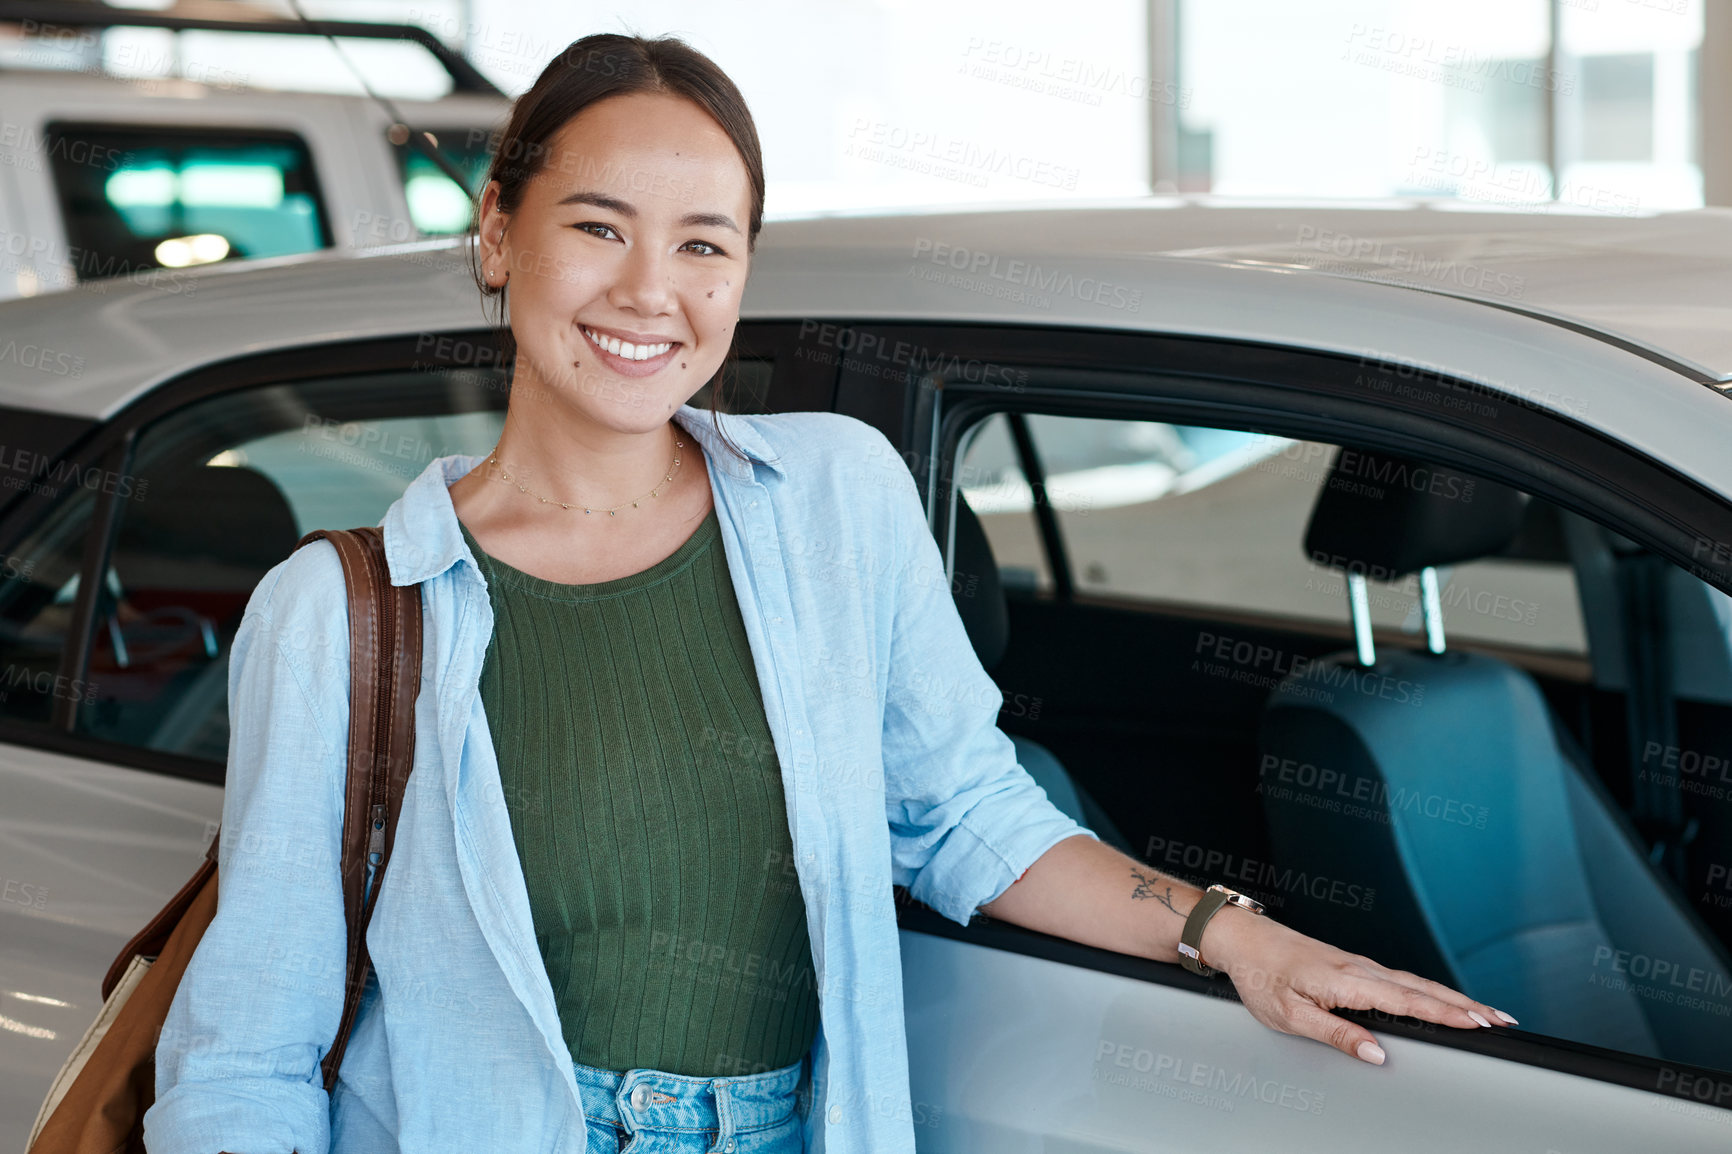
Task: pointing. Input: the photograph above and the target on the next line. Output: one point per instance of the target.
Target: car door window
(140, 198)
(1565, 760)
(1204, 517)
(235, 481)
(39, 578)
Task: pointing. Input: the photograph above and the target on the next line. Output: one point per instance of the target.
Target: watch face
(1242, 900)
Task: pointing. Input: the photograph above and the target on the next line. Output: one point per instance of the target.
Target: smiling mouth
(625, 350)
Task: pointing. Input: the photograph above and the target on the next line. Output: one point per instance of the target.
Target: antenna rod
(417, 139)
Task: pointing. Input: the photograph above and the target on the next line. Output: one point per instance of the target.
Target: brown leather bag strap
(384, 680)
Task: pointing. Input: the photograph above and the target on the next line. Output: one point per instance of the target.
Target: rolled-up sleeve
(965, 818)
(238, 1060)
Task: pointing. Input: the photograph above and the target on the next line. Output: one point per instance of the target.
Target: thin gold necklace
(522, 488)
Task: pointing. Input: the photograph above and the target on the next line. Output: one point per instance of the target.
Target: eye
(713, 250)
(589, 225)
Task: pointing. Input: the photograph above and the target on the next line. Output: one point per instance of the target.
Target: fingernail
(1506, 1017)
(1370, 1052)
(1475, 1016)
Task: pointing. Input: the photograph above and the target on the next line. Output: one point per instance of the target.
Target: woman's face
(627, 258)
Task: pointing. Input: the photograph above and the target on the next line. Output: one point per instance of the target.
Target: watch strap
(1191, 937)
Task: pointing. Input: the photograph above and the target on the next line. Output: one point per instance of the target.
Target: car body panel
(90, 852)
(1060, 1058)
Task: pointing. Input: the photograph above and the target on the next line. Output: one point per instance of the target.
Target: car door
(126, 562)
(1146, 504)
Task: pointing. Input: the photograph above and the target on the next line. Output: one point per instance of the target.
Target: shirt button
(835, 1115)
(753, 505)
(799, 733)
(775, 621)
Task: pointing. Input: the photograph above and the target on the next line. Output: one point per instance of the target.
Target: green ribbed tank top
(647, 805)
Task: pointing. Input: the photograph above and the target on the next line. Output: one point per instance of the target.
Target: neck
(584, 464)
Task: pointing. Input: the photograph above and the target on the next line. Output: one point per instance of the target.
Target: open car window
(1531, 803)
(1205, 517)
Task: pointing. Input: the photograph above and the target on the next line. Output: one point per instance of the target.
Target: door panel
(1010, 1054)
(88, 854)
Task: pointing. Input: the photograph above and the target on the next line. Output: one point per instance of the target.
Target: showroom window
(1501, 102)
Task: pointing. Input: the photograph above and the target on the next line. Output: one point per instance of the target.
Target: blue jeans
(654, 1112)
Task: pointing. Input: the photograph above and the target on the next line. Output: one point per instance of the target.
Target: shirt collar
(423, 537)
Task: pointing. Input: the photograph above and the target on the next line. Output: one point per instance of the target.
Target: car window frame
(1245, 384)
(1293, 392)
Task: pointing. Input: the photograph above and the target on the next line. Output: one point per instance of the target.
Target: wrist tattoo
(1146, 887)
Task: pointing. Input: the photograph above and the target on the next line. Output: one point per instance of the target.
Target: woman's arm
(237, 1063)
(1089, 892)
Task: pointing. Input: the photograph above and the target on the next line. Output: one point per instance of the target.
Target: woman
(695, 695)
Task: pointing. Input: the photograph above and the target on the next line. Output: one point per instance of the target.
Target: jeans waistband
(643, 1099)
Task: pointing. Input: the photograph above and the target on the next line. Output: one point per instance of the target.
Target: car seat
(1500, 866)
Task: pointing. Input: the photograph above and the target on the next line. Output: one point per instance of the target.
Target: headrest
(974, 585)
(205, 527)
(1386, 516)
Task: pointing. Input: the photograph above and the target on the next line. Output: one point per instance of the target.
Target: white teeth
(627, 350)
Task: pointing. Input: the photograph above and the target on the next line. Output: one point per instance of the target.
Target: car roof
(1621, 321)
(1656, 281)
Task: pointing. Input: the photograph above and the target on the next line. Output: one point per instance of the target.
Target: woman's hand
(1089, 892)
(1290, 982)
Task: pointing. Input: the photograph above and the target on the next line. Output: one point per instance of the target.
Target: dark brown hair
(592, 69)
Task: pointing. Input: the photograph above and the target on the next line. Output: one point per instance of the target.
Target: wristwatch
(1191, 937)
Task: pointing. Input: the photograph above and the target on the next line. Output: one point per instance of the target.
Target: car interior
(1499, 819)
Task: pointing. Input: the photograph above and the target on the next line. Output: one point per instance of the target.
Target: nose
(645, 282)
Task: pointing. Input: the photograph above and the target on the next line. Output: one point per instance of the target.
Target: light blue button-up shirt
(885, 726)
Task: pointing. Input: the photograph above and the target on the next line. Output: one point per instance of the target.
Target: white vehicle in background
(1140, 431)
(108, 169)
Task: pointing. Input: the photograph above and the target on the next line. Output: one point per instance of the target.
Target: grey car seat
(1500, 865)
(980, 600)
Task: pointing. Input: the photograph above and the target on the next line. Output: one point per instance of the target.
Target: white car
(142, 176)
(1372, 561)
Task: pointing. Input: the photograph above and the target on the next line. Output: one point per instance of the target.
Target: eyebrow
(614, 204)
